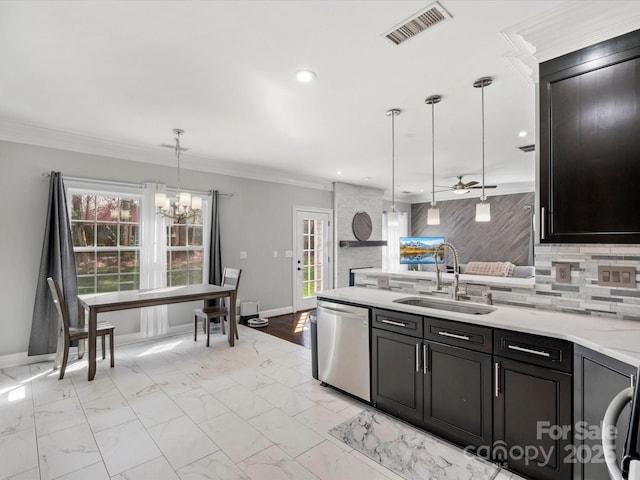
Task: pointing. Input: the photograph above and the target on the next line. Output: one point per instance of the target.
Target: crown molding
(545, 36)
(73, 142)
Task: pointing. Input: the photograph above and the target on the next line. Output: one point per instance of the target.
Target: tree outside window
(106, 240)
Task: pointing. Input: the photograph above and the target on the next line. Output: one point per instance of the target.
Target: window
(106, 237)
(106, 225)
(185, 249)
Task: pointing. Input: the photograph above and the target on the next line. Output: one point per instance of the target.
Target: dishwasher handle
(344, 312)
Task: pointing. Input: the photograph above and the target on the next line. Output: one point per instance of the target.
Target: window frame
(135, 191)
(204, 247)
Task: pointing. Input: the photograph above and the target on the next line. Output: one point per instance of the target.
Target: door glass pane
(312, 256)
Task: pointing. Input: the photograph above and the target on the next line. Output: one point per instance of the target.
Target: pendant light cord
(393, 161)
(433, 156)
(393, 113)
(483, 196)
(178, 133)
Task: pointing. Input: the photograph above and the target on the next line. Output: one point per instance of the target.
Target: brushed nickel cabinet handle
(391, 322)
(425, 356)
(454, 335)
(497, 379)
(417, 357)
(540, 353)
(543, 222)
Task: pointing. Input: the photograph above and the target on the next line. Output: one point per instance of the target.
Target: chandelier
(183, 204)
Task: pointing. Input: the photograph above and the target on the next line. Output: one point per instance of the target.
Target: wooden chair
(67, 333)
(230, 278)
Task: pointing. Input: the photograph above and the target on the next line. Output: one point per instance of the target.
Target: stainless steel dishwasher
(343, 348)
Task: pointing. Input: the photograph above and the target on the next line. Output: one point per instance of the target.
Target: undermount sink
(453, 306)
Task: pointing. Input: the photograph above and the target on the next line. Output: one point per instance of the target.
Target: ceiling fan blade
(486, 186)
(467, 185)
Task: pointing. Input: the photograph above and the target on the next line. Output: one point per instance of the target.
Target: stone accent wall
(582, 296)
(348, 200)
(504, 239)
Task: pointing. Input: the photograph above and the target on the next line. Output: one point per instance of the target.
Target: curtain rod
(129, 184)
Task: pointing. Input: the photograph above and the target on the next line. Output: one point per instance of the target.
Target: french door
(312, 255)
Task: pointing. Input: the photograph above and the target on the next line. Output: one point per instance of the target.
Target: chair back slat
(231, 277)
(61, 308)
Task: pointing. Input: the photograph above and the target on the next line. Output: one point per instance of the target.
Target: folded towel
(495, 269)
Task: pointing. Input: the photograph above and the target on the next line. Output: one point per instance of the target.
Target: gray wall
(257, 219)
(504, 238)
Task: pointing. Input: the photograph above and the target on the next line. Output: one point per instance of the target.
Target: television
(420, 250)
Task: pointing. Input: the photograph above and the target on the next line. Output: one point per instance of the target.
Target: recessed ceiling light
(366, 178)
(522, 134)
(339, 172)
(305, 76)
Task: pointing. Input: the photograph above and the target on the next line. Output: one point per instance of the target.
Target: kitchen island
(499, 381)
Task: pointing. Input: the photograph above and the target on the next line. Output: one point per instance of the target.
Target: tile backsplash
(581, 294)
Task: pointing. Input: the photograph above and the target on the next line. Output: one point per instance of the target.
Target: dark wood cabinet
(532, 405)
(457, 395)
(397, 379)
(597, 379)
(589, 144)
(444, 388)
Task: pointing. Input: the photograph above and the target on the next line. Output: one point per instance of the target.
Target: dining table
(129, 299)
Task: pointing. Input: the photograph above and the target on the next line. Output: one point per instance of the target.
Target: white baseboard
(16, 359)
(274, 312)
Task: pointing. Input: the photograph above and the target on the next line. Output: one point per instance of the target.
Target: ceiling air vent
(528, 148)
(421, 21)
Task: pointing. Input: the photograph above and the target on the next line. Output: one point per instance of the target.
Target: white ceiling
(115, 77)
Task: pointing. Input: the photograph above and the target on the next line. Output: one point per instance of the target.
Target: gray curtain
(57, 261)
(215, 255)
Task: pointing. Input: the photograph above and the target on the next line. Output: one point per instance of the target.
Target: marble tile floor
(174, 409)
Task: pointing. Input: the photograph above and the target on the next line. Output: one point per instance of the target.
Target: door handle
(417, 357)
(543, 221)
(497, 379)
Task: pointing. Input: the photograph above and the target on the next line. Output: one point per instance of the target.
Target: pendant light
(433, 214)
(483, 211)
(392, 216)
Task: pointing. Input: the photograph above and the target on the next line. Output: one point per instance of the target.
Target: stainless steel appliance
(343, 348)
(631, 457)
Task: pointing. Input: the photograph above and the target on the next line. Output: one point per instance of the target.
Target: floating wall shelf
(360, 243)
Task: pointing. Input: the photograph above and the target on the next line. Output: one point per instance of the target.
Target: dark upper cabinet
(590, 144)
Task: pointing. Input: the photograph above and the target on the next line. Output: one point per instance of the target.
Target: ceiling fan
(461, 188)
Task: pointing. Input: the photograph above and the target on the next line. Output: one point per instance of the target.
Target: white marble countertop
(618, 339)
(448, 277)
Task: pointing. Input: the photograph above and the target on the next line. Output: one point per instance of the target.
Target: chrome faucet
(456, 264)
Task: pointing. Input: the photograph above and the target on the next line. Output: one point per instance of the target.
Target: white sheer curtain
(153, 261)
(392, 233)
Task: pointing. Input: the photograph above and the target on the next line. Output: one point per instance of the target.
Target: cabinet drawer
(472, 337)
(534, 349)
(398, 322)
